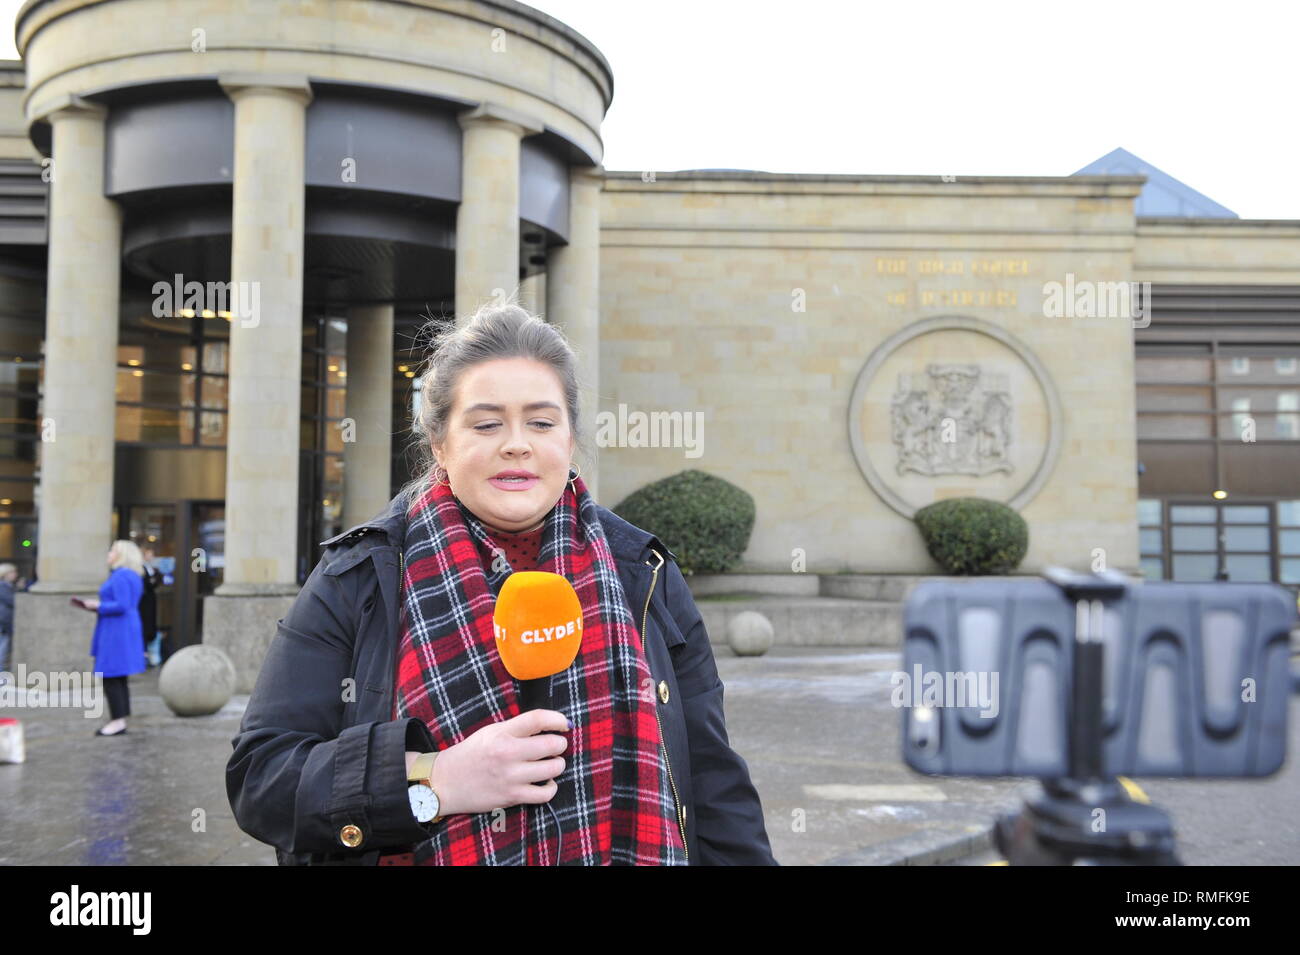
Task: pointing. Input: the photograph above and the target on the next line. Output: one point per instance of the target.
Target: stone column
(262, 430)
(573, 299)
(367, 457)
(266, 271)
(487, 220)
(532, 293)
(78, 409)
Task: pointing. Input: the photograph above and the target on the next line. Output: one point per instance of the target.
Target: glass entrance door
(1221, 541)
(189, 543)
(207, 559)
(152, 527)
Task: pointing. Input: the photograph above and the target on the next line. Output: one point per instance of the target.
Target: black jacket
(316, 754)
(149, 603)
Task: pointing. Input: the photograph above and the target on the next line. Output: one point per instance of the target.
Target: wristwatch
(424, 801)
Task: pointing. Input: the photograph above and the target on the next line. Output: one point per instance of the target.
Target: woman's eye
(483, 427)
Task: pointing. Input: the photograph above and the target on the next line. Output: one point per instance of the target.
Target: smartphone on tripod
(1077, 679)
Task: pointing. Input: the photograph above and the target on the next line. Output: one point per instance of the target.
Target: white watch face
(424, 802)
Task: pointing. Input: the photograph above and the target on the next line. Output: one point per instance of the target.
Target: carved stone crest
(954, 420)
(934, 405)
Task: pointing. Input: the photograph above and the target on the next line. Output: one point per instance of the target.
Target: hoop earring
(575, 477)
(437, 479)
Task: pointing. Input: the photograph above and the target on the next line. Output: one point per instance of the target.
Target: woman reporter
(384, 728)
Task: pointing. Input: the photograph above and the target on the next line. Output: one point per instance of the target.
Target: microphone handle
(535, 694)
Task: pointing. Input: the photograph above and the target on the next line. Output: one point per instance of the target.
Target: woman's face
(509, 415)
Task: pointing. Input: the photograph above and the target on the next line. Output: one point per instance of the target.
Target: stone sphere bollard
(749, 634)
(197, 680)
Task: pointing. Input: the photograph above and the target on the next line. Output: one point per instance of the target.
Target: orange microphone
(538, 625)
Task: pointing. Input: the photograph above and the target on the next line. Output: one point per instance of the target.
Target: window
(1226, 541)
(1240, 365)
(323, 430)
(1247, 542)
(1288, 541)
(165, 393)
(1151, 538)
(1288, 425)
(1175, 392)
(1192, 545)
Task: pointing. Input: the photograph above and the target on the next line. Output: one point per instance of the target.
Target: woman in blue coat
(117, 646)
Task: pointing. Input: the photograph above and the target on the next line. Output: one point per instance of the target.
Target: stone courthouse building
(222, 225)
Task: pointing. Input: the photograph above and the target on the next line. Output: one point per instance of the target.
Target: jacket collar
(391, 523)
(626, 540)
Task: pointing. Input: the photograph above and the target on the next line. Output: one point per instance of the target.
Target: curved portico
(387, 159)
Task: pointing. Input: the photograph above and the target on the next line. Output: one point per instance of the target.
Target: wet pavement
(814, 724)
(154, 796)
(820, 734)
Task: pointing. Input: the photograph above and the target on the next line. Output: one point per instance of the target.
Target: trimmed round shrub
(703, 519)
(972, 536)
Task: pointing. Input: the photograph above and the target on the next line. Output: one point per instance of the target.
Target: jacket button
(350, 836)
(663, 691)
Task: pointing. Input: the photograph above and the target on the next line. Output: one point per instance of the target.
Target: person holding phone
(116, 644)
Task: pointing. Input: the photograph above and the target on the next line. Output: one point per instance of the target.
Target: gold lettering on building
(942, 267)
(937, 266)
(1000, 267)
(965, 297)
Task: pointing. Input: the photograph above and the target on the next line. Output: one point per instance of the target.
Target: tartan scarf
(614, 803)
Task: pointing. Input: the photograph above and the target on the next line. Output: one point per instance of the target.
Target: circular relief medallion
(953, 406)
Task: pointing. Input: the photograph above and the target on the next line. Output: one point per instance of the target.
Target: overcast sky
(1206, 92)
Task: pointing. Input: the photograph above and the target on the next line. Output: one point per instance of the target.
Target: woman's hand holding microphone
(497, 765)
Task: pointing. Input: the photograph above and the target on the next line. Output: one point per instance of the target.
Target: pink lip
(514, 485)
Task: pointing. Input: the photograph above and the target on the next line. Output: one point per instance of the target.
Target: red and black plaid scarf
(614, 802)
